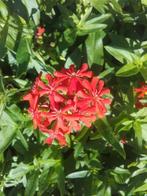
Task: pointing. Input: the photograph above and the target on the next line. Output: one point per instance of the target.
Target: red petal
(94, 83)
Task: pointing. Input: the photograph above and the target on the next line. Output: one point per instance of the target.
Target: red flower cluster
(63, 103)
(141, 96)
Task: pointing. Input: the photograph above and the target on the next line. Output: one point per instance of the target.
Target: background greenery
(111, 35)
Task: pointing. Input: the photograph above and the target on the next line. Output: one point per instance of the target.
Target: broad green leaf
(32, 183)
(123, 55)
(8, 131)
(94, 47)
(105, 130)
(14, 29)
(22, 54)
(78, 174)
(127, 70)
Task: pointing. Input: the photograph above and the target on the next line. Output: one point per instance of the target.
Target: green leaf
(22, 54)
(138, 133)
(144, 132)
(98, 19)
(61, 180)
(104, 189)
(121, 54)
(89, 28)
(78, 174)
(127, 70)
(142, 188)
(23, 140)
(105, 130)
(8, 131)
(74, 58)
(100, 5)
(139, 171)
(32, 184)
(94, 47)
(120, 175)
(116, 6)
(3, 10)
(144, 2)
(143, 72)
(3, 38)
(32, 8)
(17, 173)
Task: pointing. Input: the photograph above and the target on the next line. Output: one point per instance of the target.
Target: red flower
(52, 89)
(142, 91)
(73, 78)
(59, 136)
(141, 95)
(92, 96)
(65, 102)
(40, 31)
(33, 96)
(123, 140)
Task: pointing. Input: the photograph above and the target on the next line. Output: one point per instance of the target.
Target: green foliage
(111, 35)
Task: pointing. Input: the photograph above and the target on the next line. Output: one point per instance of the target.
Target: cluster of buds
(63, 103)
(141, 100)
